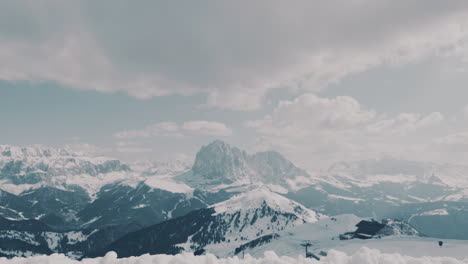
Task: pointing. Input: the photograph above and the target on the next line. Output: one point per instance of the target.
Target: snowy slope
(324, 232)
(219, 228)
(263, 197)
(324, 236)
(258, 212)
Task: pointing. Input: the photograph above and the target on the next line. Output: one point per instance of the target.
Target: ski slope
(324, 236)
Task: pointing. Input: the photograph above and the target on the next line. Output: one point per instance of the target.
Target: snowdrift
(362, 256)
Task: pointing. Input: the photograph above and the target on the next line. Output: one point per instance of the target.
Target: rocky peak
(272, 166)
(219, 163)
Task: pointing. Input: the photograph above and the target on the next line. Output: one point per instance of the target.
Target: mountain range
(55, 200)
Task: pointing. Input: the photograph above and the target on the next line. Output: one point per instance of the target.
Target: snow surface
(248, 216)
(324, 236)
(362, 256)
(165, 182)
(255, 198)
(412, 246)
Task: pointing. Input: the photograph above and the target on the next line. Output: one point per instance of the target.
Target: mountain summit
(219, 164)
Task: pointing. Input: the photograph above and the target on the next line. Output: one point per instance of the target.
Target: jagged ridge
(220, 164)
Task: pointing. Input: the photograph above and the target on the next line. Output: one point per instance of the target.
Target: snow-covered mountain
(393, 188)
(392, 181)
(256, 213)
(218, 165)
(23, 168)
(142, 204)
(69, 190)
(219, 228)
(225, 201)
(388, 169)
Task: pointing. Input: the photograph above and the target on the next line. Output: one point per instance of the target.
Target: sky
(318, 81)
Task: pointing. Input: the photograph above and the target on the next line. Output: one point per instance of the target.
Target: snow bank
(363, 256)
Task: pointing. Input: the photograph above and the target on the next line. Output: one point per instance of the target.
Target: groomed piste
(362, 256)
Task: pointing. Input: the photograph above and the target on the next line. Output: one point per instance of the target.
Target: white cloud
(316, 132)
(405, 122)
(172, 129)
(133, 150)
(452, 143)
(309, 114)
(206, 128)
(465, 111)
(169, 129)
(362, 255)
(119, 46)
(131, 147)
(86, 149)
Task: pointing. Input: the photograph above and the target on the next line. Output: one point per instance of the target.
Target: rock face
(273, 167)
(220, 164)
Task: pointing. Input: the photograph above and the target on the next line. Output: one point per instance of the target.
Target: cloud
(361, 255)
(405, 122)
(312, 130)
(86, 149)
(148, 49)
(134, 150)
(309, 113)
(206, 128)
(168, 129)
(130, 147)
(172, 129)
(465, 111)
(316, 131)
(452, 143)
